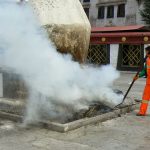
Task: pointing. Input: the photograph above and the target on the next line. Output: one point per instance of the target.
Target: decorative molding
(146, 39)
(124, 39)
(111, 2)
(103, 39)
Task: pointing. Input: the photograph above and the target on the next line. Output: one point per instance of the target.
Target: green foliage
(145, 13)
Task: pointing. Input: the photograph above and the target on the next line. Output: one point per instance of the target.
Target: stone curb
(13, 117)
(87, 121)
(75, 124)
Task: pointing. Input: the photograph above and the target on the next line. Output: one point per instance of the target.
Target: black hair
(148, 49)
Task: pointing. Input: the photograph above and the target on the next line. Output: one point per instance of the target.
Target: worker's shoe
(140, 114)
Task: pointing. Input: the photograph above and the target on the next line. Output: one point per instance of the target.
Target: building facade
(113, 12)
(118, 33)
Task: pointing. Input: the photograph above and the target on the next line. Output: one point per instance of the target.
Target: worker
(146, 94)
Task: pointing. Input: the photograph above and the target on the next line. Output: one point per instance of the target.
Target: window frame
(121, 13)
(107, 54)
(109, 15)
(122, 67)
(101, 12)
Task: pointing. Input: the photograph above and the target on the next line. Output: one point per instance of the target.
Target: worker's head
(147, 49)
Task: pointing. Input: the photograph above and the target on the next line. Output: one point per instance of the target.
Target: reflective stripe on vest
(145, 101)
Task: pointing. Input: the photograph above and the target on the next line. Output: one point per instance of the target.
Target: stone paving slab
(54, 144)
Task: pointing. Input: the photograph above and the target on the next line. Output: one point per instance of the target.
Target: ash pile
(95, 108)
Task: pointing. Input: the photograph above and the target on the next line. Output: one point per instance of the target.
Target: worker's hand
(135, 78)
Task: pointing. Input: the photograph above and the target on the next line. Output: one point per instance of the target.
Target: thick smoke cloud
(53, 79)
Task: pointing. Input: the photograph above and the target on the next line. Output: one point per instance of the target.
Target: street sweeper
(146, 94)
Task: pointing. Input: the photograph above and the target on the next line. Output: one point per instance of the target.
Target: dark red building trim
(117, 35)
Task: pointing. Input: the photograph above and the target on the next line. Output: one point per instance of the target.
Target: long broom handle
(140, 68)
(129, 88)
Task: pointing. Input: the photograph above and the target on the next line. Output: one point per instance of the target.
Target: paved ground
(128, 132)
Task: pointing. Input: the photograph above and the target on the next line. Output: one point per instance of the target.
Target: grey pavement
(127, 132)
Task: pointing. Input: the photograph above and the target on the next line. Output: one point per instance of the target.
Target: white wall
(114, 49)
(145, 45)
(1, 85)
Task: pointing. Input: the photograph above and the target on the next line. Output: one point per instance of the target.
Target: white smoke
(53, 79)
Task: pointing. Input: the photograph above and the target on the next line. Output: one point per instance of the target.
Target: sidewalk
(128, 132)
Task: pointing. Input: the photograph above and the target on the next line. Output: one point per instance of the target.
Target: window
(101, 12)
(130, 57)
(87, 11)
(110, 11)
(98, 54)
(86, 0)
(121, 10)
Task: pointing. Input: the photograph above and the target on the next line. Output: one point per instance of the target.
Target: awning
(125, 34)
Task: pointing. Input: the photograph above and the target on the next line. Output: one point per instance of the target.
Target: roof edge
(120, 28)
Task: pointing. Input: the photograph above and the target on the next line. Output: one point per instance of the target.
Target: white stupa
(67, 25)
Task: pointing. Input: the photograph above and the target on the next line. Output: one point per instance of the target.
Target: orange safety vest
(146, 93)
(148, 70)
